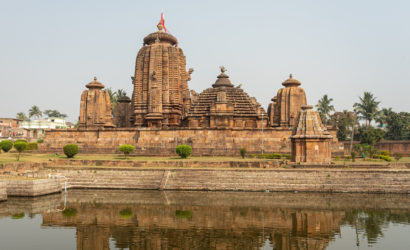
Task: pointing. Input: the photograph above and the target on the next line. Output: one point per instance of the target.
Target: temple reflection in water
(202, 220)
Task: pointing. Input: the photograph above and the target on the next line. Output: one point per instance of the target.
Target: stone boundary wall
(3, 191)
(162, 142)
(32, 187)
(402, 147)
(306, 180)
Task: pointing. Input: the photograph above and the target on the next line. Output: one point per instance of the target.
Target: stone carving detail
(95, 107)
(311, 142)
(224, 106)
(161, 96)
(286, 104)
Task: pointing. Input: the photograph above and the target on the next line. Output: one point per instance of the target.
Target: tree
(370, 136)
(20, 146)
(324, 108)
(344, 121)
(126, 149)
(22, 116)
(35, 112)
(54, 113)
(397, 126)
(114, 96)
(367, 108)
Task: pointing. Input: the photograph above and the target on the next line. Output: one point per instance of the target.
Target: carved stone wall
(95, 107)
(311, 142)
(286, 104)
(161, 94)
(123, 113)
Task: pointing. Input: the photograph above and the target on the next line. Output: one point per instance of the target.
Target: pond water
(129, 219)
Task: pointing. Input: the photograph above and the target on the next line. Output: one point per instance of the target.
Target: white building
(37, 127)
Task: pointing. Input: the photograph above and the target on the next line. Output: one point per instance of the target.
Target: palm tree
(324, 108)
(119, 93)
(367, 108)
(21, 116)
(35, 111)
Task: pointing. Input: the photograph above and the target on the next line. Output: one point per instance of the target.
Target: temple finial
(223, 69)
(95, 78)
(290, 75)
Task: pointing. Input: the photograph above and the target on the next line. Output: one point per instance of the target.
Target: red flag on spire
(162, 21)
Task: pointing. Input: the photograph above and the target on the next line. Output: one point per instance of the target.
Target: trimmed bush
(40, 140)
(20, 146)
(184, 151)
(70, 150)
(126, 149)
(287, 156)
(274, 156)
(385, 153)
(242, 151)
(251, 155)
(386, 158)
(20, 140)
(32, 146)
(6, 145)
(397, 156)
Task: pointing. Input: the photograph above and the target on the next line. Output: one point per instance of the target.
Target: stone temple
(164, 112)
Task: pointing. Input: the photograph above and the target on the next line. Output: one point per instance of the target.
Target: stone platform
(30, 187)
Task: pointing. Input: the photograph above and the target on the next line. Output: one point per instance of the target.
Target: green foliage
(385, 153)
(343, 121)
(370, 136)
(367, 108)
(353, 155)
(6, 145)
(270, 156)
(35, 112)
(184, 151)
(32, 146)
(22, 116)
(69, 212)
(181, 214)
(70, 150)
(20, 146)
(287, 156)
(397, 124)
(365, 150)
(20, 140)
(54, 113)
(40, 140)
(251, 155)
(18, 216)
(126, 149)
(385, 157)
(242, 151)
(324, 108)
(397, 156)
(126, 213)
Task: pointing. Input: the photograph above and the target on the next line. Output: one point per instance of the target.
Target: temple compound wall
(149, 141)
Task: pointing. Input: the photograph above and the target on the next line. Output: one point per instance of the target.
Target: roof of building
(291, 82)
(95, 84)
(243, 104)
(160, 36)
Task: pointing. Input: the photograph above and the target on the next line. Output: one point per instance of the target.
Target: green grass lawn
(370, 161)
(33, 157)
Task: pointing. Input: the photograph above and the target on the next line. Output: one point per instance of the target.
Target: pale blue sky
(50, 49)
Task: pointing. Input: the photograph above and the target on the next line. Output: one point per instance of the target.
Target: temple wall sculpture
(95, 107)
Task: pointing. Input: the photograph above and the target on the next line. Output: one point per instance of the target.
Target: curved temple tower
(161, 96)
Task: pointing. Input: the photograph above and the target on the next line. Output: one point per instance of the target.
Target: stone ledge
(32, 187)
(3, 191)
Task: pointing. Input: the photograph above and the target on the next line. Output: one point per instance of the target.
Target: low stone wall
(32, 187)
(402, 147)
(162, 142)
(307, 180)
(3, 191)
